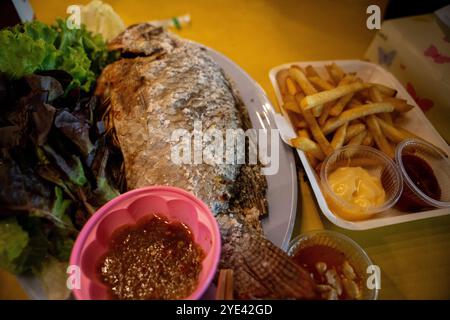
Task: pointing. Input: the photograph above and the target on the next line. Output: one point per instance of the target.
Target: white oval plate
(282, 187)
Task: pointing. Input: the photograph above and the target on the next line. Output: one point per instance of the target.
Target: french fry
(380, 140)
(353, 130)
(407, 133)
(354, 103)
(313, 162)
(296, 120)
(362, 95)
(299, 95)
(298, 75)
(338, 106)
(339, 136)
(311, 159)
(356, 113)
(391, 132)
(331, 75)
(307, 145)
(358, 139)
(286, 98)
(292, 106)
(348, 78)
(325, 113)
(313, 100)
(300, 124)
(385, 90)
(303, 133)
(368, 140)
(337, 70)
(352, 111)
(376, 96)
(290, 85)
(342, 101)
(295, 116)
(336, 73)
(320, 84)
(315, 130)
(393, 145)
(311, 71)
(304, 144)
(400, 105)
(281, 81)
(386, 116)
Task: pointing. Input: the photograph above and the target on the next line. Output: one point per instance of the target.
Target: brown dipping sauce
(153, 259)
(423, 177)
(308, 258)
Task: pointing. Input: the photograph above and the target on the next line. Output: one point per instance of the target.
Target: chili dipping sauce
(154, 259)
(335, 277)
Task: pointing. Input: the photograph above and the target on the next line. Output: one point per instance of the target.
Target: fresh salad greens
(35, 46)
(58, 162)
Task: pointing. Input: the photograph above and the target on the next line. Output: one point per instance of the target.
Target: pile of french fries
(328, 113)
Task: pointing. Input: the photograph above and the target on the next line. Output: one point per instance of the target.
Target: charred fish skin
(261, 269)
(165, 83)
(151, 98)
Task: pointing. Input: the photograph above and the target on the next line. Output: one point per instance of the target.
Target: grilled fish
(163, 83)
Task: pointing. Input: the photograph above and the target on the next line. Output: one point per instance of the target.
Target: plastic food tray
(414, 120)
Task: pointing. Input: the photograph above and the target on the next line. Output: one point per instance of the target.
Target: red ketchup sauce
(422, 175)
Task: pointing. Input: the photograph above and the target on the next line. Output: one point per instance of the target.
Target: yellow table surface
(259, 34)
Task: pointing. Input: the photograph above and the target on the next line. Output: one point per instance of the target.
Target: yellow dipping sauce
(357, 187)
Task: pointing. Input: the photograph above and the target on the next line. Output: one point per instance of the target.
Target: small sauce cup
(426, 176)
(377, 164)
(353, 253)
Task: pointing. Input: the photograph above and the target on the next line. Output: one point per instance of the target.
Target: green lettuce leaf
(21, 55)
(35, 46)
(34, 255)
(63, 248)
(13, 241)
(71, 166)
(60, 206)
(37, 30)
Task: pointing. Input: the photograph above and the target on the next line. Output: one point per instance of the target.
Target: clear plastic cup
(377, 164)
(421, 176)
(353, 253)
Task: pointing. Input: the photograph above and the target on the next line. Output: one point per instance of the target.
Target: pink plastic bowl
(173, 203)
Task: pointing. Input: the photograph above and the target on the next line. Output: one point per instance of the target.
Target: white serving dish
(281, 187)
(415, 121)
